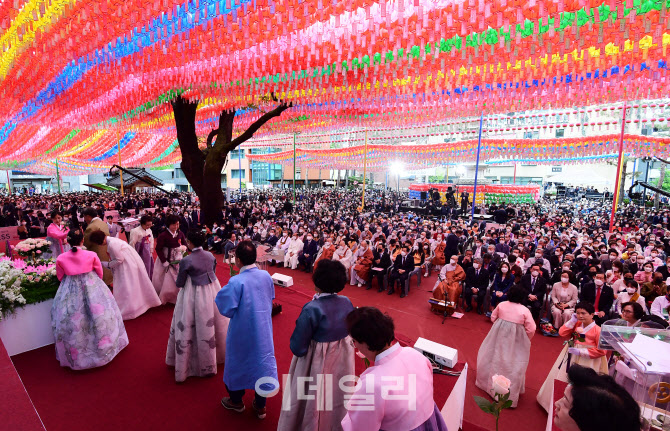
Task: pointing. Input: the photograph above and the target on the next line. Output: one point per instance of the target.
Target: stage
(136, 391)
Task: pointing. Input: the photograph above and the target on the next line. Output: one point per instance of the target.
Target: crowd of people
(548, 266)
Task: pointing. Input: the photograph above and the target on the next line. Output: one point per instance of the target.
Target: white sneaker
(360, 285)
(425, 275)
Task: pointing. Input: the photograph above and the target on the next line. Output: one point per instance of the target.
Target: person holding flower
(170, 247)
(321, 346)
(133, 290)
(506, 348)
(56, 235)
(85, 319)
(581, 349)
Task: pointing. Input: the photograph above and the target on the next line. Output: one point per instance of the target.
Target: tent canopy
(102, 187)
(581, 177)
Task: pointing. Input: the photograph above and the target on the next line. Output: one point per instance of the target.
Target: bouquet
(32, 247)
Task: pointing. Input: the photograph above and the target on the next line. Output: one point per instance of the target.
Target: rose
(501, 384)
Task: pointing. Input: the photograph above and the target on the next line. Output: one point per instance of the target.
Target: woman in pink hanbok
(506, 349)
(56, 235)
(133, 290)
(406, 406)
(85, 319)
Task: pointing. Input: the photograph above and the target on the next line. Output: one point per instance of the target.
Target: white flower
(501, 384)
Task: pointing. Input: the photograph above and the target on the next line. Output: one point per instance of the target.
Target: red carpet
(17, 412)
(136, 391)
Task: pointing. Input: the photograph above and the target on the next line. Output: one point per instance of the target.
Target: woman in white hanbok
(343, 254)
(133, 291)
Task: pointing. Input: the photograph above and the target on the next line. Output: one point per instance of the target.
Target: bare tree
(203, 167)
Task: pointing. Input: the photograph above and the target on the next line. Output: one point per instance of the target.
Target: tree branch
(662, 160)
(211, 135)
(249, 133)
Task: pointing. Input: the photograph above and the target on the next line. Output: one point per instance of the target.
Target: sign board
(557, 169)
(9, 233)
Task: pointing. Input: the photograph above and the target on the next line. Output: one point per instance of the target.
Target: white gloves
(576, 351)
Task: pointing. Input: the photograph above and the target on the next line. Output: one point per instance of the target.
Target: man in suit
(185, 223)
(196, 216)
(93, 223)
(403, 265)
(272, 239)
(381, 260)
(599, 294)
(230, 245)
(308, 255)
(476, 283)
(535, 285)
(114, 228)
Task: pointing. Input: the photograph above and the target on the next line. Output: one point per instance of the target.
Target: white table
(28, 328)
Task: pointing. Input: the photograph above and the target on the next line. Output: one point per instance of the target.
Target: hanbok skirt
(164, 281)
(325, 411)
(86, 323)
(559, 372)
(434, 423)
(197, 341)
(143, 250)
(505, 351)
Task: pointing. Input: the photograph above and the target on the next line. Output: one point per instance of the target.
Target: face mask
(453, 262)
(598, 282)
(654, 254)
(631, 290)
(503, 270)
(538, 256)
(613, 257)
(534, 273)
(475, 265)
(403, 254)
(284, 235)
(647, 269)
(479, 244)
(565, 279)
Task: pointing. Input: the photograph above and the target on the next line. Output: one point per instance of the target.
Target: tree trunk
(661, 179)
(202, 167)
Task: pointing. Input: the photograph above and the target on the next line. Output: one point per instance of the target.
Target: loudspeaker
(424, 196)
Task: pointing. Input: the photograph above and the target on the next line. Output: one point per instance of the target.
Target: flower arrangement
(10, 288)
(22, 283)
(500, 387)
(179, 253)
(32, 247)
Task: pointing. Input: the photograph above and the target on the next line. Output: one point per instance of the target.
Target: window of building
(236, 154)
(560, 133)
(535, 134)
(521, 180)
(237, 174)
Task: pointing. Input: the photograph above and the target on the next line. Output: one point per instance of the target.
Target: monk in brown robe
(360, 271)
(449, 281)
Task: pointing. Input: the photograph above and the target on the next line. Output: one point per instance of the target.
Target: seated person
(600, 295)
(403, 265)
(380, 262)
(476, 284)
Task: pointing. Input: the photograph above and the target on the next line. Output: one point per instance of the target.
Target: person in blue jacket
(250, 357)
(502, 283)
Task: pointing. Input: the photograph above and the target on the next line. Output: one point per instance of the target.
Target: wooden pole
(118, 141)
(514, 180)
(57, 176)
(615, 202)
(9, 182)
(365, 169)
